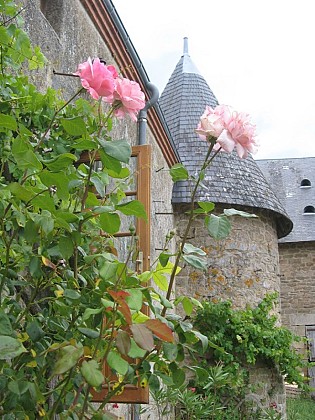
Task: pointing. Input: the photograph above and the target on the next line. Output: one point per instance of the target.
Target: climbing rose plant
(70, 302)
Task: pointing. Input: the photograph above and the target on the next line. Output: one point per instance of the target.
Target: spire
(188, 65)
(185, 52)
(229, 180)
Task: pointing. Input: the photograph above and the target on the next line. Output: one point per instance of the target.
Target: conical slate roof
(229, 180)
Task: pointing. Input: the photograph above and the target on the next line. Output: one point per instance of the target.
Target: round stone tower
(244, 267)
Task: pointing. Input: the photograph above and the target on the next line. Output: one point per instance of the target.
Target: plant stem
(206, 163)
(55, 115)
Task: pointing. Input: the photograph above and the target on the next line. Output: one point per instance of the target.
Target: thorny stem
(87, 393)
(55, 114)
(206, 163)
(5, 22)
(56, 403)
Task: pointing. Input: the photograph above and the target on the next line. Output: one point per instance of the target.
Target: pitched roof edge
(107, 21)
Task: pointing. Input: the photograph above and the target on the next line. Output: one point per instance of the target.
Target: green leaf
(170, 351)
(7, 122)
(196, 262)
(207, 206)
(164, 258)
(204, 340)
(123, 173)
(68, 357)
(108, 271)
(167, 380)
(116, 362)
(66, 247)
(202, 374)
(5, 324)
(187, 305)
(133, 208)
(139, 317)
(135, 351)
(24, 155)
(158, 274)
(34, 331)
(134, 301)
(99, 184)
(110, 222)
(84, 144)
(10, 347)
(45, 221)
(110, 164)
(58, 179)
(22, 193)
(89, 333)
(74, 126)
(119, 149)
(178, 172)
(160, 280)
(191, 249)
(90, 311)
(30, 232)
(61, 162)
(234, 212)
(218, 226)
(18, 387)
(91, 372)
(179, 377)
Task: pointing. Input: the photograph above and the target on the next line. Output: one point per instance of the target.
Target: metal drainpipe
(142, 118)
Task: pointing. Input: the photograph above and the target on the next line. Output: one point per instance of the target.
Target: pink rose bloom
(210, 124)
(97, 78)
(128, 97)
(231, 129)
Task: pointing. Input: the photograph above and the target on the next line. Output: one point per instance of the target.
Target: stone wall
(297, 265)
(243, 268)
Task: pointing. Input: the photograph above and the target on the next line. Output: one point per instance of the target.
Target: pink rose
(129, 98)
(97, 78)
(210, 124)
(230, 128)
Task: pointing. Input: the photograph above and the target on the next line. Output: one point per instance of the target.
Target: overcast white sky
(256, 55)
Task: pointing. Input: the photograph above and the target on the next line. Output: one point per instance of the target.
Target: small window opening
(305, 183)
(309, 210)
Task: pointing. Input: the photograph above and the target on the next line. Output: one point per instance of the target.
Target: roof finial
(186, 45)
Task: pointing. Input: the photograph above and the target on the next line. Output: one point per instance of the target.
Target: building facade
(293, 181)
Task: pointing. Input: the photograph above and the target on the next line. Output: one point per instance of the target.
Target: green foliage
(244, 337)
(69, 301)
(300, 408)
(213, 394)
